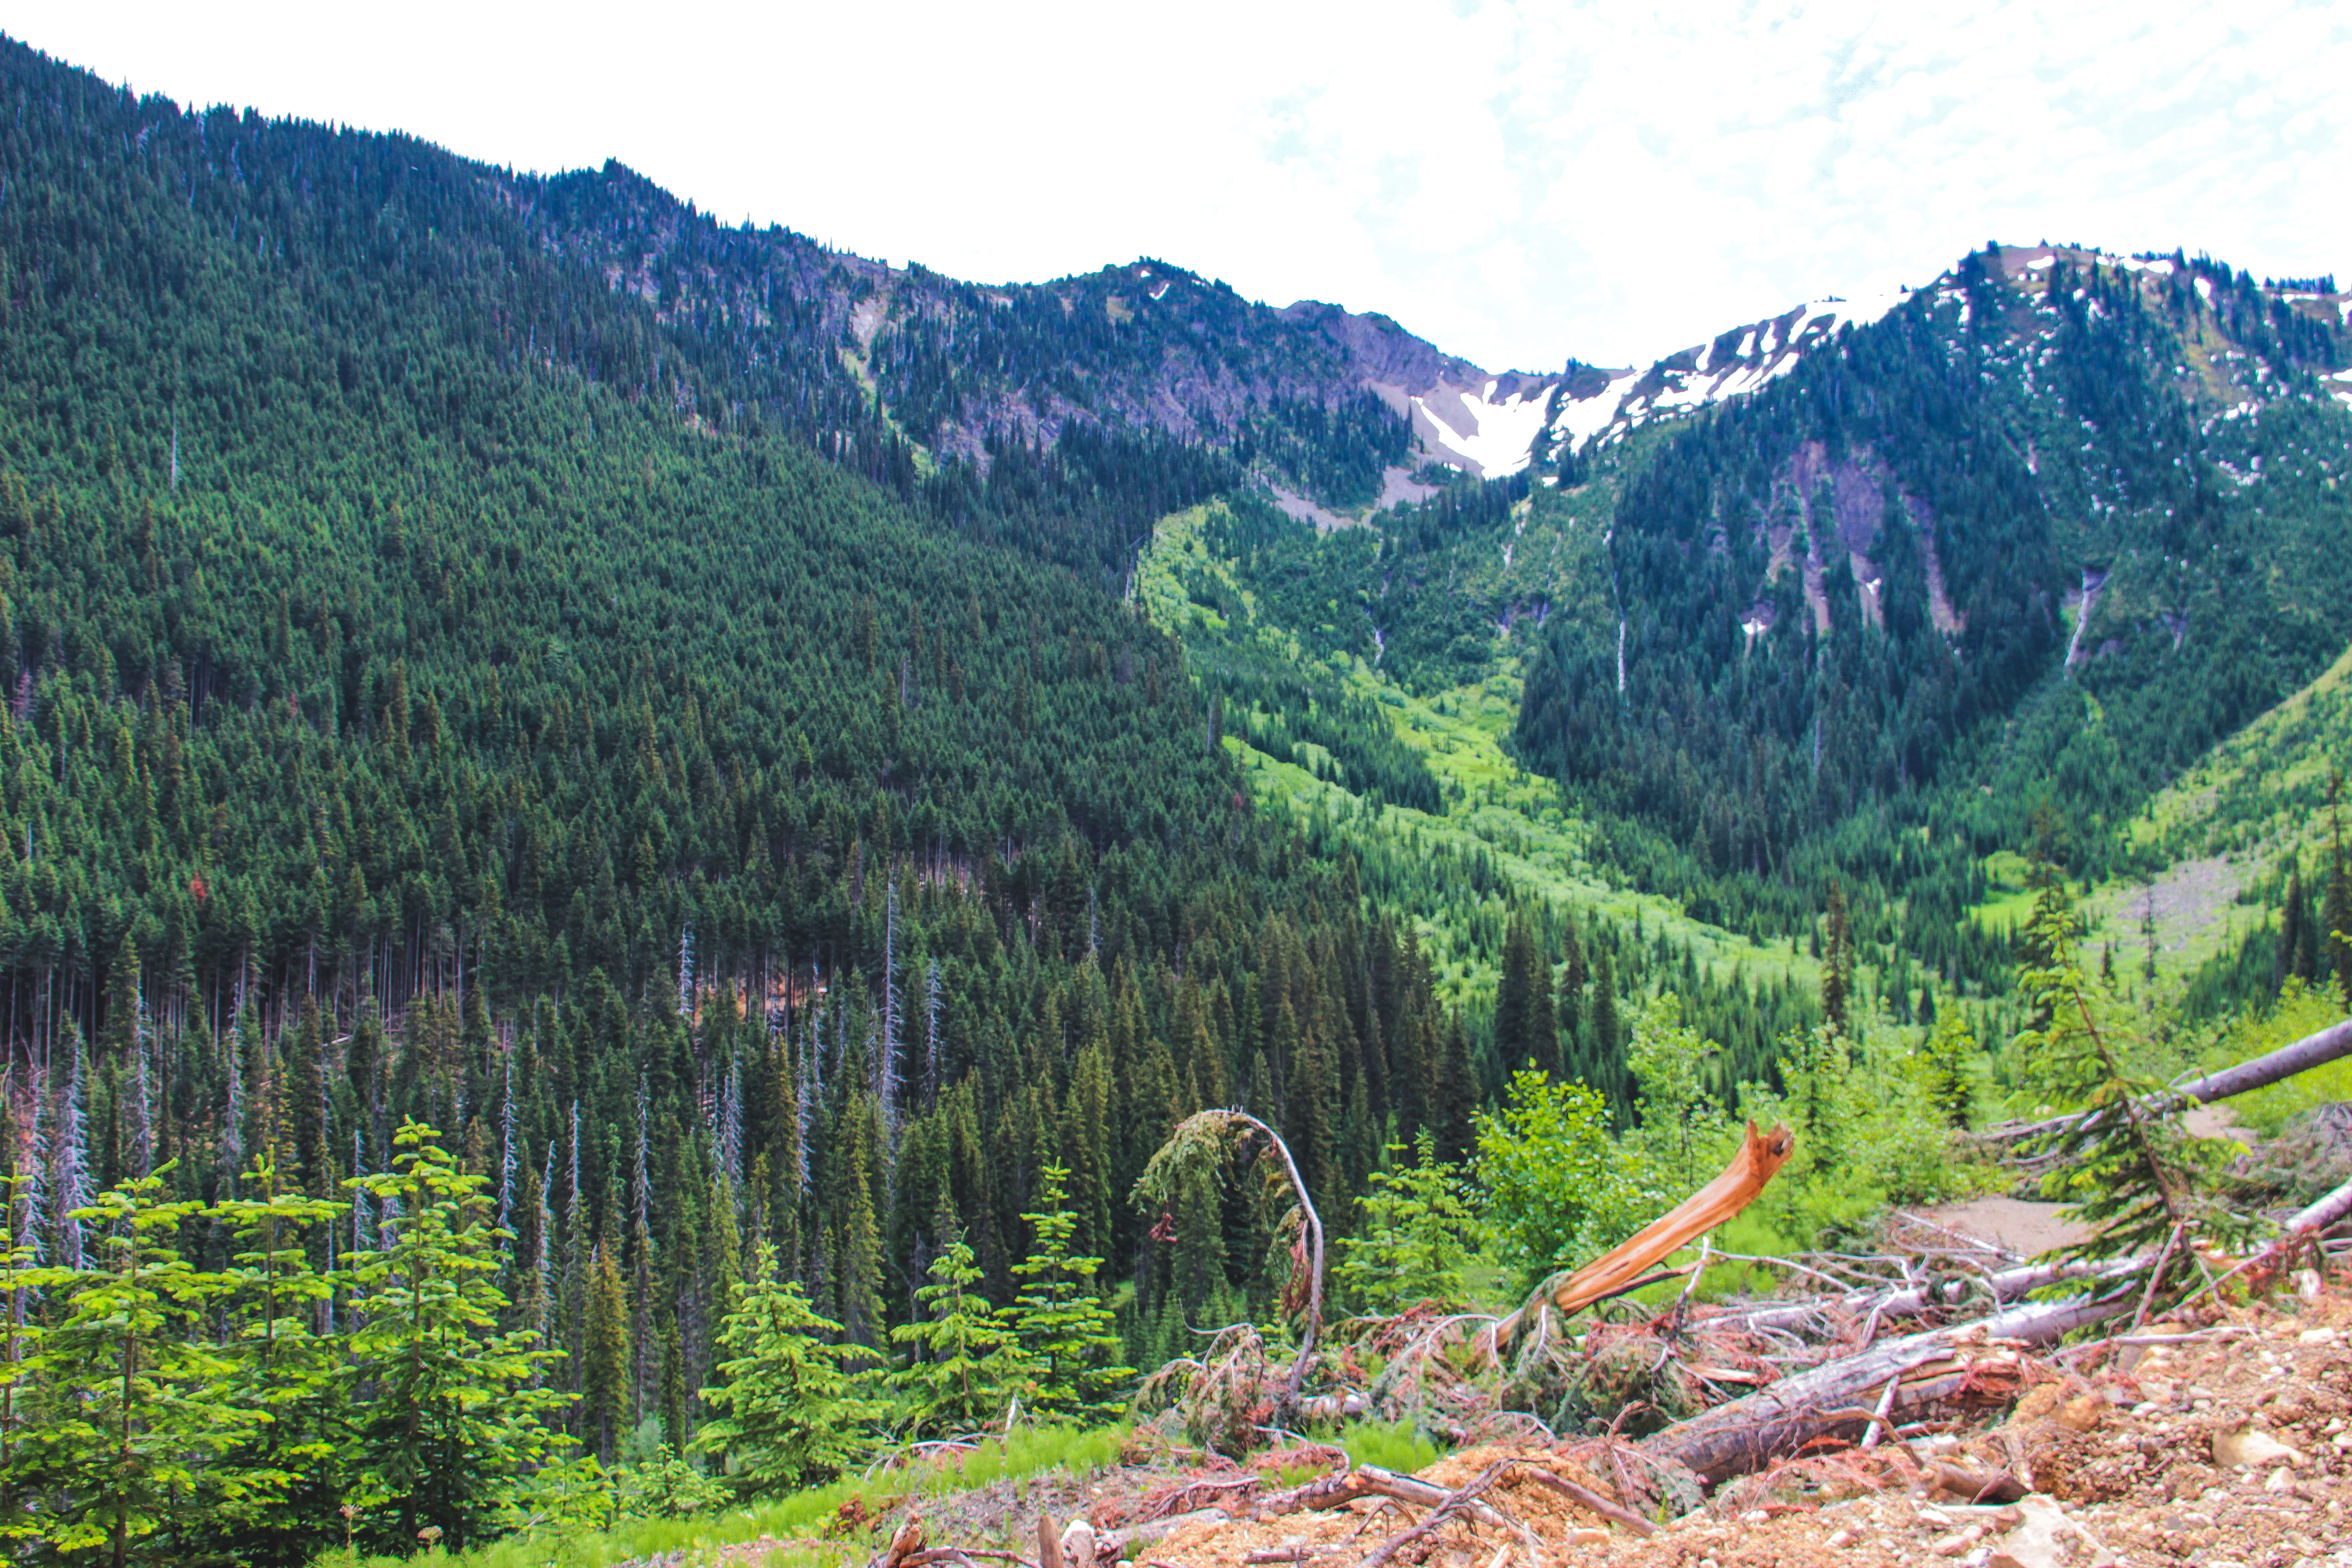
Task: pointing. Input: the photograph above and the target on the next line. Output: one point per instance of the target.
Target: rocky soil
(2222, 1439)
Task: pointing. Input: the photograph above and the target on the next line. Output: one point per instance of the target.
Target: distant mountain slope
(2051, 527)
(1343, 407)
(1854, 598)
(1775, 591)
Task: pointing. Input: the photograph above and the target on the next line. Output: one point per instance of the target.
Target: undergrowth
(827, 1512)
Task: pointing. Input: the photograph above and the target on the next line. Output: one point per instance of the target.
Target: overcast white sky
(1518, 182)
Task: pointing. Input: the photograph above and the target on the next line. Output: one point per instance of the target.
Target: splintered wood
(1742, 1181)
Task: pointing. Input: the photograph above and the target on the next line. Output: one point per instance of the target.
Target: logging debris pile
(2220, 1436)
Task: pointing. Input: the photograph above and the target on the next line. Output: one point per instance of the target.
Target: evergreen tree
(1416, 1234)
(1515, 991)
(2128, 1169)
(1197, 1263)
(133, 1402)
(1950, 1046)
(1066, 1333)
(678, 1427)
(1455, 1097)
(1837, 961)
(789, 1415)
(965, 1364)
(1572, 978)
(2299, 947)
(272, 1498)
(1607, 1033)
(449, 1419)
(860, 1277)
(2335, 910)
(605, 1359)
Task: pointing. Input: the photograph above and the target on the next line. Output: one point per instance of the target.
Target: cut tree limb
(1449, 1504)
(1372, 1480)
(1835, 1400)
(1760, 1156)
(1586, 1498)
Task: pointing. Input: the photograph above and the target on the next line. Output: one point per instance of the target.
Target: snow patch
(1496, 437)
(2044, 265)
(1766, 351)
(1581, 419)
(1160, 288)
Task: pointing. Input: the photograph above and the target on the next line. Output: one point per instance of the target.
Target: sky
(1519, 183)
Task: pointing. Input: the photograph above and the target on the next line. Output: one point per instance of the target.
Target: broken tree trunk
(1836, 1399)
(1759, 1158)
(2303, 1228)
(2313, 1050)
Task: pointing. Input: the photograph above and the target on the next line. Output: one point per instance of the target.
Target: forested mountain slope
(1336, 409)
(2032, 539)
(758, 745)
(436, 693)
(2050, 529)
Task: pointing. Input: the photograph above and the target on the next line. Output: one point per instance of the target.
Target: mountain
(761, 747)
(445, 685)
(1338, 410)
(1850, 598)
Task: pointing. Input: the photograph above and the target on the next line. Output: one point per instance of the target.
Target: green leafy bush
(1559, 1188)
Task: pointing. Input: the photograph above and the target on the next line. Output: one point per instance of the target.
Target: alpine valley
(567, 767)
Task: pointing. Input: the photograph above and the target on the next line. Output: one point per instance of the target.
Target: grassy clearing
(1499, 809)
(1493, 806)
(804, 1516)
(2254, 800)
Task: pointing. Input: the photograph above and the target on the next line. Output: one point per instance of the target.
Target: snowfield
(1494, 437)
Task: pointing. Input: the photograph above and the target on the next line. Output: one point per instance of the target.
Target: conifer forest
(627, 847)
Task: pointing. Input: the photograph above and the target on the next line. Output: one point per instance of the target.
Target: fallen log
(1760, 1156)
(2299, 1231)
(2328, 1045)
(2330, 1208)
(1840, 1399)
(1908, 1300)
